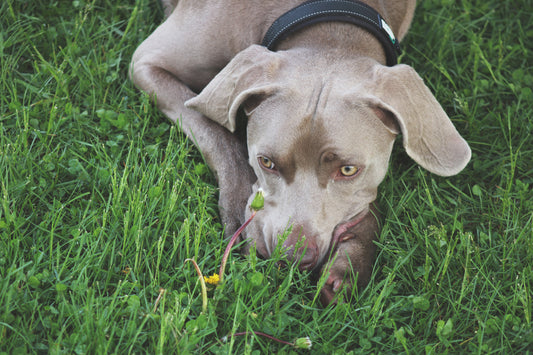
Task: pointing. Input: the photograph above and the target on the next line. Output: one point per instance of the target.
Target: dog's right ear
(429, 136)
(247, 79)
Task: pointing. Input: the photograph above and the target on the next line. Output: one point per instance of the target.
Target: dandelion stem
(161, 292)
(202, 283)
(230, 245)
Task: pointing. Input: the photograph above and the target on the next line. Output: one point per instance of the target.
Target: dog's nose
(310, 258)
(308, 248)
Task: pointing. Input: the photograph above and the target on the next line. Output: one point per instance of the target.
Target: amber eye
(349, 170)
(266, 163)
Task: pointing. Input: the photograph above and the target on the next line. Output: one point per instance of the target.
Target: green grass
(102, 201)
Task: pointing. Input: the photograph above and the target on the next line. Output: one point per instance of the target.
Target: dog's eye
(266, 163)
(349, 170)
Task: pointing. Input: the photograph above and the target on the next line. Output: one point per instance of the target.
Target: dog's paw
(342, 281)
(330, 292)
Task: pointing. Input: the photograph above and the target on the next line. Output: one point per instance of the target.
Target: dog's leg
(156, 69)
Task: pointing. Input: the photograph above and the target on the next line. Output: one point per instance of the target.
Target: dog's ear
(244, 82)
(429, 137)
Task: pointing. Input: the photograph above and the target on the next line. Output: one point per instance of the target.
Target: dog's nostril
(309, 259)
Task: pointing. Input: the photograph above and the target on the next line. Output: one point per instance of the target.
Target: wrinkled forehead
(315, 115)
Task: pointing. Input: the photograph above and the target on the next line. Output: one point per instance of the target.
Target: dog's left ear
(429, 136)
(244, 82)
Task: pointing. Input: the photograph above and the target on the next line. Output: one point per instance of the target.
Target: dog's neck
(354, 12)
(336, 39)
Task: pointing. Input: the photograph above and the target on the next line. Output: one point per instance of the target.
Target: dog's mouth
(345, 231)
(342, 232)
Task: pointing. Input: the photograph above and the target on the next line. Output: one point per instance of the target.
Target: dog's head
(320, 134)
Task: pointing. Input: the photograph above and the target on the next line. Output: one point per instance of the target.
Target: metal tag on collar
(389, 31)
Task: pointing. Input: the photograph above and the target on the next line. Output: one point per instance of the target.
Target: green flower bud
(303, 343)
(259, 201)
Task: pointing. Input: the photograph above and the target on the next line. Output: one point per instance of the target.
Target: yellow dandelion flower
(212, 280)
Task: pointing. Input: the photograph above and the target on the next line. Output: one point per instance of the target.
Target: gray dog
(302, 100)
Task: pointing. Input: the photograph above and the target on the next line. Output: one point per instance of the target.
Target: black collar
(351, 11)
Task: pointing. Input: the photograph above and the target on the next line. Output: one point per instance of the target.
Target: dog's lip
(341, 231)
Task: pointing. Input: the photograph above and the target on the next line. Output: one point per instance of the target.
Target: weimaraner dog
(306, 111)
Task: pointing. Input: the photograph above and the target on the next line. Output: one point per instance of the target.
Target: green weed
(102, 200)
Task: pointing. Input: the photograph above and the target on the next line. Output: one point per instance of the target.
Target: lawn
(102, 201)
